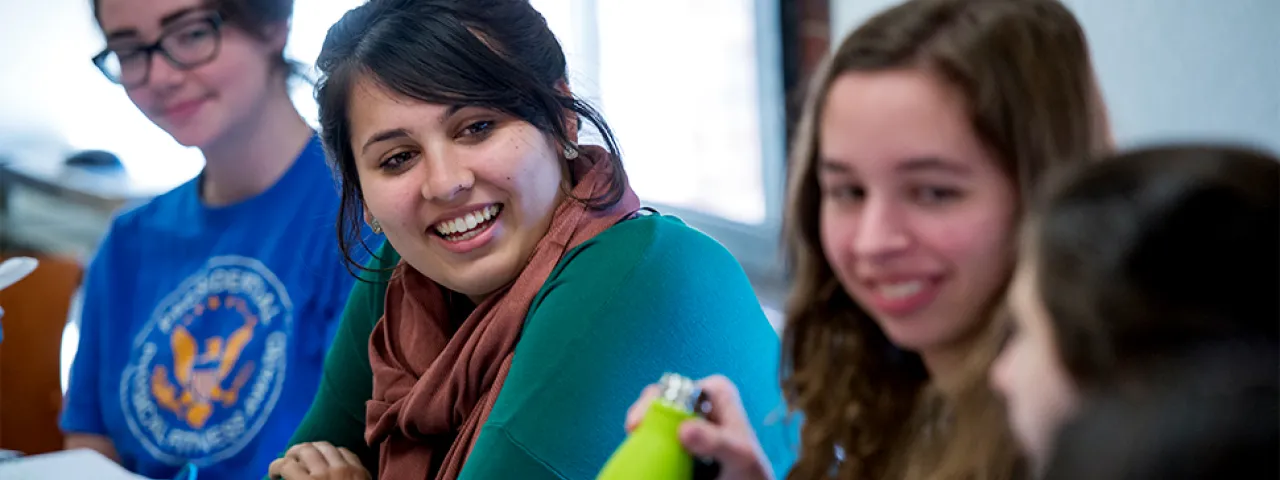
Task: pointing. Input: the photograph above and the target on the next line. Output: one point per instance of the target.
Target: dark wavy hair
(1024, 68)
(1158, 252)
(496, 54)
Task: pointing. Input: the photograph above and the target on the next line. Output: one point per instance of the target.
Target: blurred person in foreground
(1131, 270)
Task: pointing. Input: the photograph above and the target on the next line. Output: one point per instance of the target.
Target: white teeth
(463, 225)
(896, 291)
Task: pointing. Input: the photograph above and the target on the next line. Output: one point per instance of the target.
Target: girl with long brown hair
(923, 137)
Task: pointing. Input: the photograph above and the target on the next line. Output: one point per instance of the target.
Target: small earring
(570, 152)
(377, 227)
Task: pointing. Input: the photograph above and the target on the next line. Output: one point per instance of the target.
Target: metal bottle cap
(680, 391)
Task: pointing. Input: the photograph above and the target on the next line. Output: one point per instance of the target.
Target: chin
(476, 289)
(489, 276)
(914, 341)
(919, 336)
(198, 131)
(191, 135)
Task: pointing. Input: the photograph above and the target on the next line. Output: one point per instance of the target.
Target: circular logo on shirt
(207, 368)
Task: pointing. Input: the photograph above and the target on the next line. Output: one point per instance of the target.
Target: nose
(162, 74)
(881, 229)
(446, 179)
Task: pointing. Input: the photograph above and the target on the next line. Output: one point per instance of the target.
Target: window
(693, 91)
(310, 24)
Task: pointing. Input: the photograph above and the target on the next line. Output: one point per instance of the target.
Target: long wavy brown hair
(869, 410)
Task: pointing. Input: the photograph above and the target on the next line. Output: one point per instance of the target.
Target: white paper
(69, 464)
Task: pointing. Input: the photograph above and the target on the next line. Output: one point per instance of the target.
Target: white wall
(1171, 69)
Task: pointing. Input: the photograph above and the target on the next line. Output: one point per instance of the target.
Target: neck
(948, 365)
(253, 155)
(944, 367)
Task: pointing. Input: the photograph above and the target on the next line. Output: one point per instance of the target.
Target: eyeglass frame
(213, 19)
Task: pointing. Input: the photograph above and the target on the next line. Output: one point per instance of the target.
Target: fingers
(638, 409)
(311, 458)
(292, 470)
(350, 457)
(274, 471)
(736, 450)
(332, 458)
(704, 439)
(317, 460)
(726, 403)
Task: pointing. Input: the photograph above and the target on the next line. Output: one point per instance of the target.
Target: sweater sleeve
(337, 414)
(648, 296)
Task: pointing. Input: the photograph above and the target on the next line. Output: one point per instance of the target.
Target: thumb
(704, 439)
(735, 450)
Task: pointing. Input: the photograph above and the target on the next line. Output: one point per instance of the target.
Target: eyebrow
(925, 164)
(913, 165)
(165, 21)
(831, 166)
(384, 136)
(403, 133)
(450, 112)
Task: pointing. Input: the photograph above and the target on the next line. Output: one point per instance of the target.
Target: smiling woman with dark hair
(528, 292)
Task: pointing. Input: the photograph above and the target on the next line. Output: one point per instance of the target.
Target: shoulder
(365, 304)
(655, 244)
(657, 267)
(647, 296)
(147, 218)
(164, 207)
(309, 172)
(383, 259)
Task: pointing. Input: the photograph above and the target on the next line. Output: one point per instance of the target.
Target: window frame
(757, 247)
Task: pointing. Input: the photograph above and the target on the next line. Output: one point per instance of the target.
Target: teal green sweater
(647, 296)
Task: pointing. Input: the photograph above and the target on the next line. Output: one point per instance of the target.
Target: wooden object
(30, 365)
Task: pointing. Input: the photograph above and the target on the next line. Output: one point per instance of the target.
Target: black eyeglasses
(185, 46)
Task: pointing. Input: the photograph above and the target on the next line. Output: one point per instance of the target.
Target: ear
(571, 121)
(276, 36)
(368, 216)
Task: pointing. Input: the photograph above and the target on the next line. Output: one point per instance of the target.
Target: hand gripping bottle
(653, 449)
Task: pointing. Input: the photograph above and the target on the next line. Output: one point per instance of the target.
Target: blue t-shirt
(204, 329)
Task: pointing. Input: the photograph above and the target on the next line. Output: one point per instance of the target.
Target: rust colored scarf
(433, 387)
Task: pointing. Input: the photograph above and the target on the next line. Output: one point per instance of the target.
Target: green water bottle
(653, 449)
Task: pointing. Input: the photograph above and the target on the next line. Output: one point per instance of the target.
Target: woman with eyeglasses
(208, 311)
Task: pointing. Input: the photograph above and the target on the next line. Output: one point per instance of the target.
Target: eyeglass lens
(185, 47)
